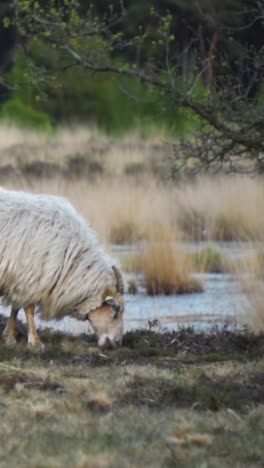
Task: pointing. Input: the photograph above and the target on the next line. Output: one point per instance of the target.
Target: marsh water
(220, 303)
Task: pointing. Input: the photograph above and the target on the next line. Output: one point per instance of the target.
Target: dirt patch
(99, 406)
(19, 381)
(9, 382)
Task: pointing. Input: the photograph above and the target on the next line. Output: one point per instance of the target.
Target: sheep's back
(46, 251)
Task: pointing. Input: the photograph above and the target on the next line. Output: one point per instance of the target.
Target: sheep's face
(107, 321)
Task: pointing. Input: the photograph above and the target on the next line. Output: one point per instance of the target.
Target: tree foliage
(169, 47)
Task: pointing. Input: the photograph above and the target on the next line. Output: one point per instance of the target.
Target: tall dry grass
(122, 210)
(250, 271)
(253, 312)
(129, 194)
(166, 268)
(130, 155)
(222, 208)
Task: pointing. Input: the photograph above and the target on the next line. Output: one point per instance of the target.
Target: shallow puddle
(220, 302)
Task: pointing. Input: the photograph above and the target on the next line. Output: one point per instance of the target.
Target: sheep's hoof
(10, 341)
(36, 348)
(35, 345)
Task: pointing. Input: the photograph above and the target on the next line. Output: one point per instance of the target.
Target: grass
(205, 260)
(123, 211)
(210, 260)
(221, 208)
(165, 269)
(253, 313)
(250, 269)
(174, 399)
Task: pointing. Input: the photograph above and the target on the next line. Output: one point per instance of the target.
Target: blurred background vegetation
(206, 28)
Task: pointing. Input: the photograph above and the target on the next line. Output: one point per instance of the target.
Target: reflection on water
(221, 302)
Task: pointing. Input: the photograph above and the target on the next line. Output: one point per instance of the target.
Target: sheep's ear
(119, 280)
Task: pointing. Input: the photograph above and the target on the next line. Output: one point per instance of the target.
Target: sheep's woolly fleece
(49, 256)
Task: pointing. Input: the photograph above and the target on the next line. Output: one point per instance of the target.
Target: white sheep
(50, 257)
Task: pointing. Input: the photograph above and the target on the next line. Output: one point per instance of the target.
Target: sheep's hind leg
(9, 331)
(33, 338)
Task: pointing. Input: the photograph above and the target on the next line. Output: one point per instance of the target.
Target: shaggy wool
(50, 256)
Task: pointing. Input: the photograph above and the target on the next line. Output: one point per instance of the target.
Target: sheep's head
(107, 320)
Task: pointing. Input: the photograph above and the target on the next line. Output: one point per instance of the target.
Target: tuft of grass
(228, 226)
(167, 270)
(132, 287)
(253, 313)
(250, 270)
(210, 260)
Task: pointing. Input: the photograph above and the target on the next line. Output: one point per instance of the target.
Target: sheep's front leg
(33, 338)
(9, 331)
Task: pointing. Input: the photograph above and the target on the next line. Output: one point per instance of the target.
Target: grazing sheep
(50, 257)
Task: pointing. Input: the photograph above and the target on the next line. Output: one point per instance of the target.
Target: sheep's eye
(116, 314)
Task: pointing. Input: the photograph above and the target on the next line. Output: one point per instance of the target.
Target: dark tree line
(208, 29)
(7, 43)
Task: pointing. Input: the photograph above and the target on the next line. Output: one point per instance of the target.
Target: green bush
(210, 260)
(22, 106)
(114, 103)
(16, 111)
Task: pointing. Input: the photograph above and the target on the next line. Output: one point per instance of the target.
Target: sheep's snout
(106, 342)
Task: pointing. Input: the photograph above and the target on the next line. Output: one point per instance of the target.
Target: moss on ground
(173, 399)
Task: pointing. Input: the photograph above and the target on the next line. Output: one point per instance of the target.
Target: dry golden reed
(250, 271)
(166, 267)
(122, 210)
